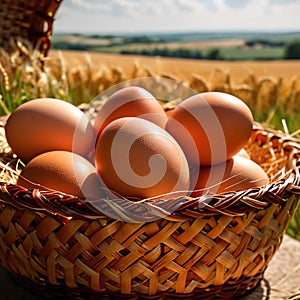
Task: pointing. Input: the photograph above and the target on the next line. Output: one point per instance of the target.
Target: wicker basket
(27, 21)
(60, 246)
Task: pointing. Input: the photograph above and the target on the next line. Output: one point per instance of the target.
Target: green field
(263, 53)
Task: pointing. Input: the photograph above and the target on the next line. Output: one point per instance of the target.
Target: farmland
(200, 45)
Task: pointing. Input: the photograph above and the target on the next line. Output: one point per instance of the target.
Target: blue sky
(130, 16)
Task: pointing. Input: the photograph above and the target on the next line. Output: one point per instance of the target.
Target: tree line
(214, 53)
(291, 51)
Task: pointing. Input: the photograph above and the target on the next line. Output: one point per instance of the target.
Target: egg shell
(211, 127)
(47, 124)
(132, 101)
(243, 153)
(237, 173)
(138, 159)
(62, 171)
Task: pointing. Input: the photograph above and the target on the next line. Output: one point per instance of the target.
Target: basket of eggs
(135, 198)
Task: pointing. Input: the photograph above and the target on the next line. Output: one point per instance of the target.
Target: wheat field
(270, 88)
(184, 68)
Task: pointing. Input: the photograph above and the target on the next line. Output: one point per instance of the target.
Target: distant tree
(264, 43)
(147, 52)
(138, 39)
(197, 54)
(61, 45)
(166, 52)
(292, 50)
(215, 54)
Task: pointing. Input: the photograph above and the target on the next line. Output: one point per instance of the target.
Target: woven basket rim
(229, 203)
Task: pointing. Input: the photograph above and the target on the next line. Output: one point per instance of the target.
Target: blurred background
(219, 29)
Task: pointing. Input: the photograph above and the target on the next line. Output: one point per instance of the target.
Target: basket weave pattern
(206, 250)
(29, 21)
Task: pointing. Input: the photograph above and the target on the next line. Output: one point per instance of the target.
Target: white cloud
(237, 3)
(134, 6)
(90, 5)
(285, 2)
(191, 5)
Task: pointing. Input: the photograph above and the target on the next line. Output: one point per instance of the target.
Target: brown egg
(62, 171)
(138, 159)
(211, 127)
(238, 173)
(130, 101)
(43, 125)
